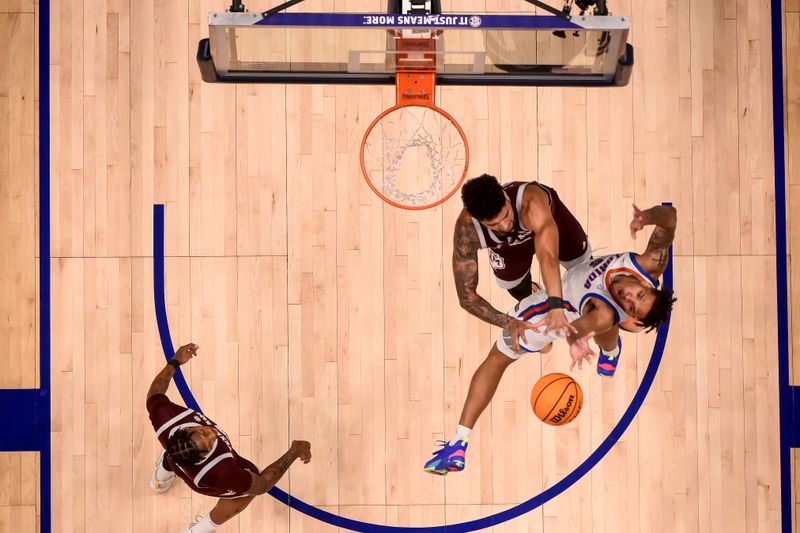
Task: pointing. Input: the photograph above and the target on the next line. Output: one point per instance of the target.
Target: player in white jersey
(598, 296)
(590, 280)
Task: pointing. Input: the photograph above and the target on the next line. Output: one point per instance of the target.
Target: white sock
(612, 354)
(162, 474)
(462, 433)
(206, 525)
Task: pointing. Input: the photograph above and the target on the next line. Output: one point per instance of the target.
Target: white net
(414, 156)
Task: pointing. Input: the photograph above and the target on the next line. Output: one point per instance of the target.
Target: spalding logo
(415, 96)
(559, 416)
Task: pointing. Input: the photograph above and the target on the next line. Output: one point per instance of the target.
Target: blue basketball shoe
(450, 458)
(607, 364)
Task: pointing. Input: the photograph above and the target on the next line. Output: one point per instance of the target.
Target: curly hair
(660, 310)
(182, 449)
(483, 197)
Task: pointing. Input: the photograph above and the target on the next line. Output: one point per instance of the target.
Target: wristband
(174, 363)
(554, 302)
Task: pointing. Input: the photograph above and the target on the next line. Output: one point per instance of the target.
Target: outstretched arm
(597, 318)
(665, 218)
(161, 382)
(268, 477)
(536, 216)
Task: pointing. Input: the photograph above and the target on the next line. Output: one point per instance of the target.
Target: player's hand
(517, 329)
(638, 221)
(556, 321)
(579, 350)
(186, 352)
(302, 450)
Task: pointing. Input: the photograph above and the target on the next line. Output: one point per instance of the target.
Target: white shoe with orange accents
(155, 483)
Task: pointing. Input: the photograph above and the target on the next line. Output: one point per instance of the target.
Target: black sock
(523, 289)
(165, 464)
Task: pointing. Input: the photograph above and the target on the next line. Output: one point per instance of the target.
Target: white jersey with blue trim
(593, 278)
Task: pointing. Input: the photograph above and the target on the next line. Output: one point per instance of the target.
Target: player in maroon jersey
(515, 221)
(199, 452)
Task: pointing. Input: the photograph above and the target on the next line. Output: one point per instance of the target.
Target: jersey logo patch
(497, 261)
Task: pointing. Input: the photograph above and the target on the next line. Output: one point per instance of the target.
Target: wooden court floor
(326, 315)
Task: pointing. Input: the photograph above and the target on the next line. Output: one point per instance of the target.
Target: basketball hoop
(415, 155)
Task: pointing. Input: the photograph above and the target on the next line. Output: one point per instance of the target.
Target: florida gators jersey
(593, 278)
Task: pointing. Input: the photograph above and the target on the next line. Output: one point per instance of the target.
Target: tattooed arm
(264, 481)
(665, 218)
(161, 382)
(465, 273)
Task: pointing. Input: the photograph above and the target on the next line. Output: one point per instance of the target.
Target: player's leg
(610, 344)
(451, 457)
(483, 386)
(221, 513)
(487, 376)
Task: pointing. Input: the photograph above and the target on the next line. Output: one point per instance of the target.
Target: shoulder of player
(537, 195)
(647, 263)
(464, 232)
(157, 401)
(535, 204)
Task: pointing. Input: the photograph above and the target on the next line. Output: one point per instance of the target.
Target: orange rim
(415, 207)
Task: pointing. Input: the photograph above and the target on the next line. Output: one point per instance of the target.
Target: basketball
(556, 399)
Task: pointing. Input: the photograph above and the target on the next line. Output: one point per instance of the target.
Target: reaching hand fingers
(536, 325)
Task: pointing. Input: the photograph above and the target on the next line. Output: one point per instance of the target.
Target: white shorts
(532, 309)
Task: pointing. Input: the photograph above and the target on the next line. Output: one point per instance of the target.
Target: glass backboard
(470, 49)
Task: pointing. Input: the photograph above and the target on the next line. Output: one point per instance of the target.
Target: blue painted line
(25, 414)
(44, 264)
(24, 418)
(788, 430)
(793, 414)
(161, 306)
(493, 520)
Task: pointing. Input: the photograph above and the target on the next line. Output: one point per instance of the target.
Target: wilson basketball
(556, 399)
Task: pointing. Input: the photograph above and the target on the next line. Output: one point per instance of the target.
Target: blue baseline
(25, 419)
(44, 262)
(489, 521)
(380, 20)
(25, 413)
(789, 429)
